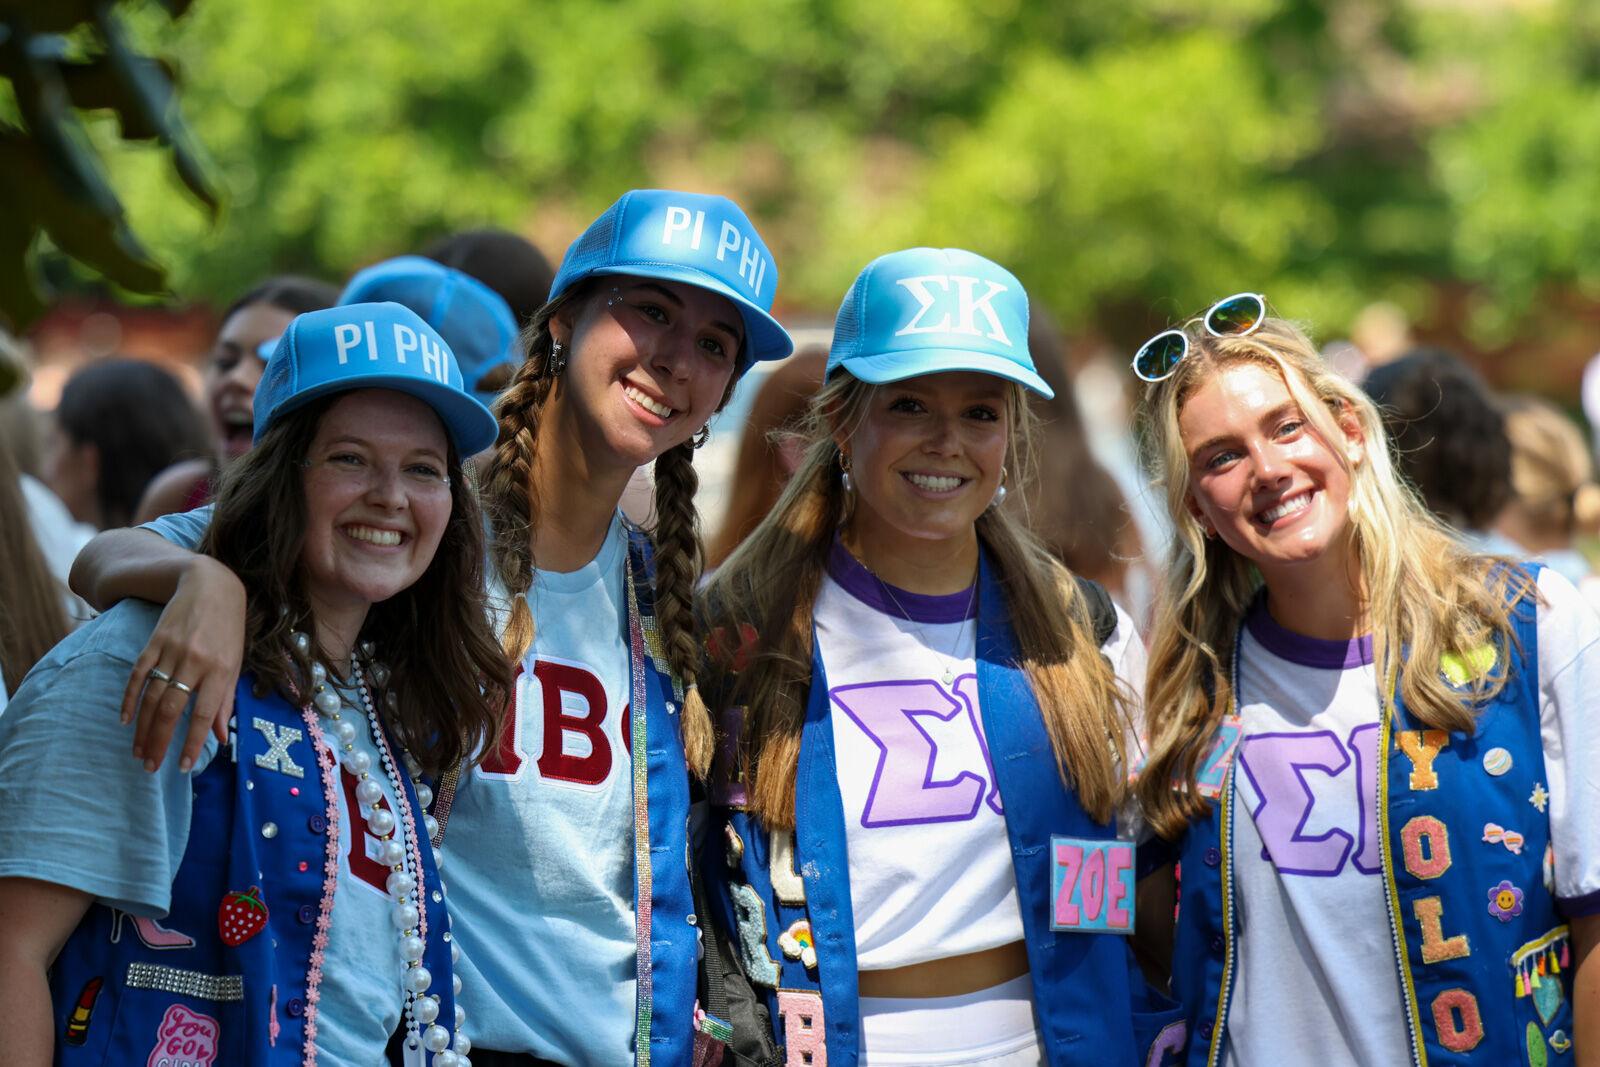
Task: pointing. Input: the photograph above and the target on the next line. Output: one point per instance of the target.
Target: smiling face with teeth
(233, 369)
(648, 362)
(925, 460)
(1262, 478)
(377, 502)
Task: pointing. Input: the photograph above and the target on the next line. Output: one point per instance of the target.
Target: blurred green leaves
(1129, 161)
(58, 60)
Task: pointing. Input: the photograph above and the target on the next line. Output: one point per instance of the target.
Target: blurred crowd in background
(114, 441)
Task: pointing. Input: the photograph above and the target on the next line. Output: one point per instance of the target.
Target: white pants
(993, 1027)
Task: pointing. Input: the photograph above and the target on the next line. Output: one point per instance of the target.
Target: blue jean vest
(669, 945)
(198, 990)
(785, 892)
(1479, 946)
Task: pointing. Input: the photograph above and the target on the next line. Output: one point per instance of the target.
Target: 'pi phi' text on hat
(928, 310)
(700, 240)
(370, 346)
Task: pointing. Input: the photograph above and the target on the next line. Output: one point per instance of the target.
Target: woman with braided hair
(568, 840)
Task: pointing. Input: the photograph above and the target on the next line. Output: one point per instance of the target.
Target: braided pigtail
(508, 495)
(679, 557)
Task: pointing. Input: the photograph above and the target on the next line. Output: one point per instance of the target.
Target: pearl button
(269, 830)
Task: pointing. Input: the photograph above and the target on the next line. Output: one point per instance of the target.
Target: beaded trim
(403, 801)
(643, 877)
(330, 878)
(185, 983)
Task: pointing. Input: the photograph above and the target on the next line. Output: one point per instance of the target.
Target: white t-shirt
(539, 847)
(1314, 941)
(930, 864)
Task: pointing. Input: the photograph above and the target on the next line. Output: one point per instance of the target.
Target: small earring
(558, 359)
(701, 439)
(844, 473)
(615, 298)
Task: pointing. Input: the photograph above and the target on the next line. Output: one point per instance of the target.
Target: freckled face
(1259, 475)
(928, 455)
(648, 361)
(377, 497)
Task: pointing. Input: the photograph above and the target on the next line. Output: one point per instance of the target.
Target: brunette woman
(281, 903)
(569, 841)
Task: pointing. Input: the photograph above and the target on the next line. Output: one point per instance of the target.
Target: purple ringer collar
(854, 578)
(1305, 651)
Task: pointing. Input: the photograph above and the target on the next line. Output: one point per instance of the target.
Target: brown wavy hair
(448, 677)
(511, 498)
(771, 583)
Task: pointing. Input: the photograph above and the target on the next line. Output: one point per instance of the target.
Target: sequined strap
(443, 798)
(643, 879)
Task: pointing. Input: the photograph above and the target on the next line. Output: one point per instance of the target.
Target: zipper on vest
(1225, 846)
(1391, 895)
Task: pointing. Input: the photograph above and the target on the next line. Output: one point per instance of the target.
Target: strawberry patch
(241, 916)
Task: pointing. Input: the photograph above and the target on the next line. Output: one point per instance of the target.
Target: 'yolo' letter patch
(1091, 885)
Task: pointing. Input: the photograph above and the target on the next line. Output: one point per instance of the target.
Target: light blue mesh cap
(473, 319)
(686, 237)
(927, 310)
(370, 346)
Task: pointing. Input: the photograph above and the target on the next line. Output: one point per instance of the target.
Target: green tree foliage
(57, 61)
(1130, 161)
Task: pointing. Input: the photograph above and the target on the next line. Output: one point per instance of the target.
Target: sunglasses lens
(1160, 355)
(1236, 315)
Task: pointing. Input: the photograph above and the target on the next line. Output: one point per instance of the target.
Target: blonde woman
(929, 721)
(1554, 498)
(1373, 748)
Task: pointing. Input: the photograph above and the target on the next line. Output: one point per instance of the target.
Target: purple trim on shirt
(854, 578)
(1306, 651)
(1579, 907)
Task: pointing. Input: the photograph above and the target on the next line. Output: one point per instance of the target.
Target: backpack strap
(1102, 612)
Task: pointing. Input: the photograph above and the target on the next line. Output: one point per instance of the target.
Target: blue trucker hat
(370, 346)
(685, 237)
(473, 319)
(927, 310)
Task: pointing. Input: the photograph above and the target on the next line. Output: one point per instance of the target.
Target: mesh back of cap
(593, 246)
(848, 326)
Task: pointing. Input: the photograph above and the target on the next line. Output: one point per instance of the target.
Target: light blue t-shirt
(539, 846)
(82, 812)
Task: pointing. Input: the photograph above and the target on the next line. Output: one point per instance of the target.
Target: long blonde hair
(1552, 475)
(771, 583)
(512, 502)
(1424, 592)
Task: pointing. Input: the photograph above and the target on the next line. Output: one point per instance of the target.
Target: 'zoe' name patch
(1091, 885)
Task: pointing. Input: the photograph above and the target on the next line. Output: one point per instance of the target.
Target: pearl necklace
(400, 854)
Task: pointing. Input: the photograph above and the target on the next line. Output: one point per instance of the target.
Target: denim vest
(175, 993)
(1479, 946)
(785, 893)
(669, 945)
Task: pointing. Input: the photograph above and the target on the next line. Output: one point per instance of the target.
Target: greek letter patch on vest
(1091, 885)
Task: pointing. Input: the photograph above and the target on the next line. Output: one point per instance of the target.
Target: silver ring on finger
(161, 676)
(179, 686)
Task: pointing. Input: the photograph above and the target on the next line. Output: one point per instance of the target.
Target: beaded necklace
(400, 854)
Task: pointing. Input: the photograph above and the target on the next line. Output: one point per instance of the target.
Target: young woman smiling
(1373, 747)
(569, 840)
(280, 905)
(918, 702)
